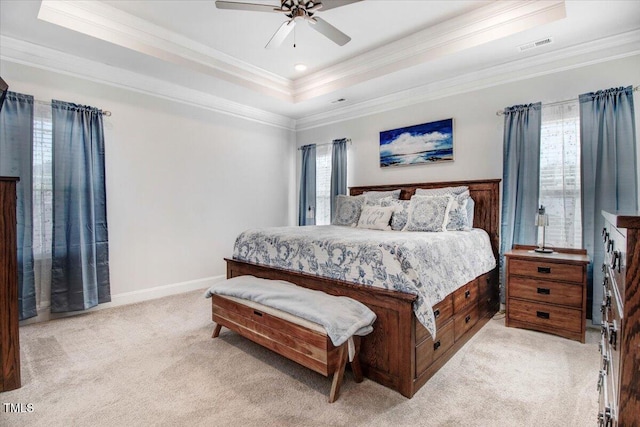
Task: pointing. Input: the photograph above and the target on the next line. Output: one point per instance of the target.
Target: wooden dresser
(9, 342)
(547, 292)
(619, 377)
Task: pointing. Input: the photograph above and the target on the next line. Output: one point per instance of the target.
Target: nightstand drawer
(545, 315)
(545, 291)
(547, 270)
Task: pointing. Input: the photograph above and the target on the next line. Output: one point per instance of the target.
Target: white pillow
(428, 213)
(347, 210)
(375, 217)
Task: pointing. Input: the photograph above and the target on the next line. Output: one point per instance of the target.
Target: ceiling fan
(296, 11)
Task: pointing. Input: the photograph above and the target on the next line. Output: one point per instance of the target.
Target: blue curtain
(16, 151)
(520, 178)
(609, 171)
(338, 171)
(80, 253)
(307, 203)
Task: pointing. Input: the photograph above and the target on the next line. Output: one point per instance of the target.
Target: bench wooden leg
(338, 375)
(216, 331)
(355, 363)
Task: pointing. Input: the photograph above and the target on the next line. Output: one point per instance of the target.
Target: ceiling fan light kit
(296, 11)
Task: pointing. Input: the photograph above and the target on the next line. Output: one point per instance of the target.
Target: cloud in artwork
(406, 143)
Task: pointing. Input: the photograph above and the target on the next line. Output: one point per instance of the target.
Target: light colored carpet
(154, 363)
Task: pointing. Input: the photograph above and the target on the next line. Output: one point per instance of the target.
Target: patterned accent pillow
(428, 213)
(400, 214)
(375, 217)
(458, 218)
(441, 191)
(376, 195)
(378, 202)
(347, 210)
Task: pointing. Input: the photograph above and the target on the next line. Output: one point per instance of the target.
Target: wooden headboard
(485, 194)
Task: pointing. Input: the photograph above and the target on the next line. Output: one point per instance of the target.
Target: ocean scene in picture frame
(418, 144)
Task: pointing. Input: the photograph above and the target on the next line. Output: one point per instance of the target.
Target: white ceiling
(399, 49)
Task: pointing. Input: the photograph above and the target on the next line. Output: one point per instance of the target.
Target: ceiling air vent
(535, 44)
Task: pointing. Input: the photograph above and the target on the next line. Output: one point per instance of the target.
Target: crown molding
(107, 23)
(496, 20)
(26, 53)
(491, 22)
(582, 55)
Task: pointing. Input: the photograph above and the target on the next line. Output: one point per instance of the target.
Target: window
(42, 201)
(560, 173)
(323, 184)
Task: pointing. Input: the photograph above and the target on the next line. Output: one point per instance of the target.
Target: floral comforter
(429, 265)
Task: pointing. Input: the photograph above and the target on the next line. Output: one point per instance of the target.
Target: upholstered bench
(290, 335)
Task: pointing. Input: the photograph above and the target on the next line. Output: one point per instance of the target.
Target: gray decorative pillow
(400, 214)
(374, 195)
(378, 202)
(428, 213)
(375, 217)
(458, 218)
(441, 191)
(347, 210)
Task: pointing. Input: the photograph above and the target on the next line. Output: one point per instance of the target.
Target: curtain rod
(37, 101)
(328, 143)
(501, 112)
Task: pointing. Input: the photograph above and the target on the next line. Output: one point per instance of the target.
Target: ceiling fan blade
(281, 34)
(246, 6)
(329, 31)
(332, 4)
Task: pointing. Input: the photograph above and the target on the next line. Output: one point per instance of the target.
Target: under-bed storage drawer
(464, 296)
(442, 312)
(429, 350)
(465, 320)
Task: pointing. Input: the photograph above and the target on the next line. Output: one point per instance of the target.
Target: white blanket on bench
(341, 317)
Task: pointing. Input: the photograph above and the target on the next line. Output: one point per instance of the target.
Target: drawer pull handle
(436, 313)
(467, 319)
(436, 345)
(257, 313)
(467, 293)
(544, 270)
(544, 291)
(604, 231)
(613, 335)
(605, 236)
(615, 260)
(542, 314)
(609, 245)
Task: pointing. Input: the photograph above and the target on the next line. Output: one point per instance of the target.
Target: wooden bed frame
(400, 352)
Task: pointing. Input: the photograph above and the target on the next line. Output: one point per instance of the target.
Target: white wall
(477, 129)
(182, 182)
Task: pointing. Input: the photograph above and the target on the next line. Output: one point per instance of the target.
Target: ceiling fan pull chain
(294, 37)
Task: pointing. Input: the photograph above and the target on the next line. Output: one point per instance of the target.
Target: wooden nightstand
(547, 292)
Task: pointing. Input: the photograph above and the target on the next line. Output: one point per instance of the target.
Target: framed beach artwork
(418, 144)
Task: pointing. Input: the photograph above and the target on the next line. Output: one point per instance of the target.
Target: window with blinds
(42, 201)
(323, 184)
(560, 173)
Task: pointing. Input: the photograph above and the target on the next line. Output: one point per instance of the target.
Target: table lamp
(542, 220)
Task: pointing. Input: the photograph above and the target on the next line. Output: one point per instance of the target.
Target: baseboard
(132, 297)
